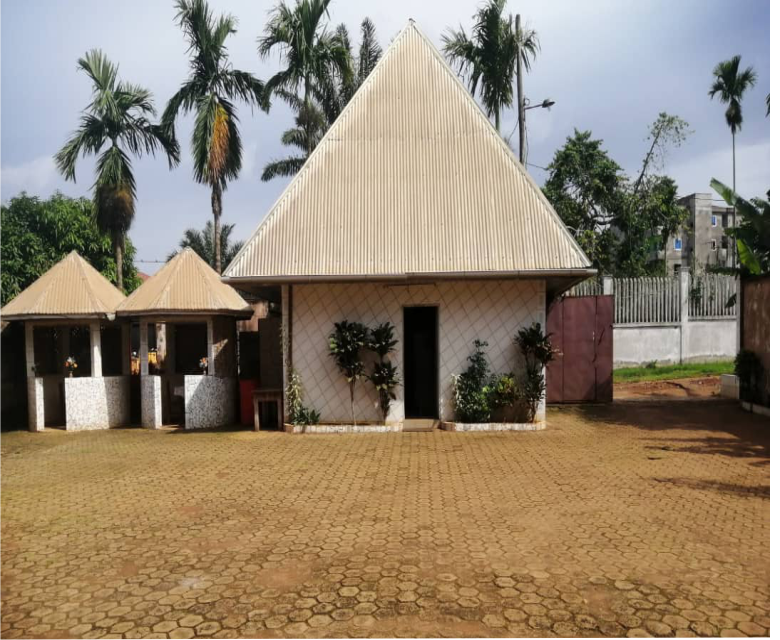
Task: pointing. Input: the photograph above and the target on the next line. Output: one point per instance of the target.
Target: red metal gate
(581, 329)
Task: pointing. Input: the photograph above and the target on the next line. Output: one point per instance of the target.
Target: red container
(246, 387)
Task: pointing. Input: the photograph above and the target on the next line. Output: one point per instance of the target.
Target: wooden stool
(259, 396)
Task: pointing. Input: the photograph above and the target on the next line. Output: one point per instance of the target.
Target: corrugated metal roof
(185, 285)
(411, 179)
(72, 287)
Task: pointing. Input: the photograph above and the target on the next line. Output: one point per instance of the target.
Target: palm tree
(309, 121)
(487, 60)
(210, 91)
(309, 49)
(329, 95)
(201, 241)
(729, 86)
(117, 119)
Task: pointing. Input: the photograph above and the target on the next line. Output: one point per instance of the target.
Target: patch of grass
(654, 372)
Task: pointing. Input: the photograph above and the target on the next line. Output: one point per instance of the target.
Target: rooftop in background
(72, 288)
(412, 180)
(185, 285)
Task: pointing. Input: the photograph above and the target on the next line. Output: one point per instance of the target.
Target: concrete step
(419, 425)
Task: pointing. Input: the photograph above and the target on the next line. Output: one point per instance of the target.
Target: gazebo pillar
(126, 347)
(151, 387)
(95, 351)
(35, 417)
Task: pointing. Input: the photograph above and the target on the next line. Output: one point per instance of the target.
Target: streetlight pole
(520, 105)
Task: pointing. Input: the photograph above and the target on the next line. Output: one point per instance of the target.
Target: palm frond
(282, 168)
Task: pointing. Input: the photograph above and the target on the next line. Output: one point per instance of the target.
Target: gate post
(684, 286)
(606, 285)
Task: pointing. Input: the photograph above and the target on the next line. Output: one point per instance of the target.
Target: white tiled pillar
(143, 352)
(35, 417)
(95, 349)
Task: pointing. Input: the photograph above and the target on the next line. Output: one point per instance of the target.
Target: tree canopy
(617, 222)
(39, 233)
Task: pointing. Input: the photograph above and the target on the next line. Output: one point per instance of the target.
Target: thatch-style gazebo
(196, 384)
(69, 314)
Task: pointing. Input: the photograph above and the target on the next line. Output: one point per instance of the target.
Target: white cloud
(34, 176)
(694, 174)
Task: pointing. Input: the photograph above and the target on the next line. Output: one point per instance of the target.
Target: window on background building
(676, 269)
(724, 242)
(714, 221)
(725, 220)
(678, 244)
(714, 245)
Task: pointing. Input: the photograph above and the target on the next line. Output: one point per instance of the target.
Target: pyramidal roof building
(412, 181)
(411, 210)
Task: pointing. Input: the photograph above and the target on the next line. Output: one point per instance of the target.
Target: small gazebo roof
(186, 285)
(72, 288)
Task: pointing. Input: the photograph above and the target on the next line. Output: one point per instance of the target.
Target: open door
(421, 362)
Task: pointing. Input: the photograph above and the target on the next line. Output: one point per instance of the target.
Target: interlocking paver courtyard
(631, 519)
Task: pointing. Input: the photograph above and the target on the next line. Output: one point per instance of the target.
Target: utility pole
(520, 110)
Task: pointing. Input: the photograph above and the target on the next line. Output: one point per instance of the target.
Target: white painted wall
(703, 340)
(490, 310)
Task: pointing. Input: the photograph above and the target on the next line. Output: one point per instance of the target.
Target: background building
(702, 241)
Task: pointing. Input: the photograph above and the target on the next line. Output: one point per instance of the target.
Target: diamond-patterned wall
(491, 310)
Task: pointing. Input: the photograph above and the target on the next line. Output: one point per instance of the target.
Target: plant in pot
(385, 378)
(470, 388)
(538, 352)
(345, 344)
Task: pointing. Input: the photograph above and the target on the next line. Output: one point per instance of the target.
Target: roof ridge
(80, 262)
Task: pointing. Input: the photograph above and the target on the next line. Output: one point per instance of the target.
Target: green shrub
(538, 353)
(385, 376)
(298, 414)
(470, 388)
(345, 343)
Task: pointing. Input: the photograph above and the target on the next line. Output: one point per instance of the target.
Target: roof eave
(579, 274)
(131, 313)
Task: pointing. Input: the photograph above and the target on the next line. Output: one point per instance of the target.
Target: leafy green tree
(616, 223)
(310, 53)
(587, 189)
(201, 241)
(487, 59)
(210, 91)
(114, 126)
(729, 86)
(39, 233)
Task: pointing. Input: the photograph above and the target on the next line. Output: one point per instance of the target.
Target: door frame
(437, 355)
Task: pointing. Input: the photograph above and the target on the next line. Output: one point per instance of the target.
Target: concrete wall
(209, 401)
(702, 341)
(97, 402)
(490, 310)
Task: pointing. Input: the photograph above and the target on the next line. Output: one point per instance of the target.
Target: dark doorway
(421, 362)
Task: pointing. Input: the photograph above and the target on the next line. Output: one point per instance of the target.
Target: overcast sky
(611, 66)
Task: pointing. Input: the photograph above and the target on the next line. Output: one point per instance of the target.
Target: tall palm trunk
(216, 209)
(306, 121)
(119, 258)
(734, 191)
(498, 122)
